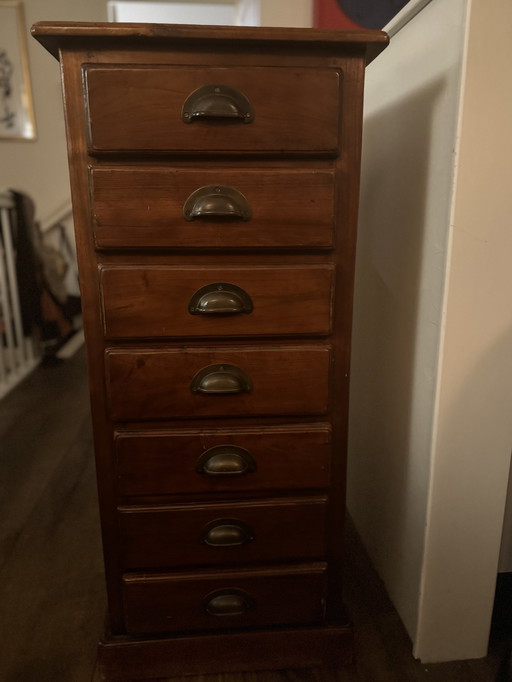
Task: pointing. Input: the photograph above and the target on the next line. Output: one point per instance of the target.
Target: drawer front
(156, 301)
(223, 382)
(139, 108)
(240, 208)
(223, 460)
(186, 535)
(224, 599)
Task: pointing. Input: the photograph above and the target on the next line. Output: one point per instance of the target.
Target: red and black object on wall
(349, 14)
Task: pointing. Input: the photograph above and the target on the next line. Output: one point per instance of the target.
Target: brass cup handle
(226, 533)
(226, 460)
(217, 102)
(221, 380)
(220, 298)
(228, 602)
(216, 201)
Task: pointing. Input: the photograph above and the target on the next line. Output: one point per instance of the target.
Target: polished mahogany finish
(214, 173)
(175, 462)
(183, 601)
(144, 208)
(156, 301)
(155, 384)
(302, 118)
(275, 530)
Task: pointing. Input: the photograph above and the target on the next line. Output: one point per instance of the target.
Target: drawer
(236, 532)
(217, 382)
(159, 301)
(225, 208)
(289, 595)
(150, 108)
(223, 460)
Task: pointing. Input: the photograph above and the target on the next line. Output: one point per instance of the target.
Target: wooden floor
(51, 587)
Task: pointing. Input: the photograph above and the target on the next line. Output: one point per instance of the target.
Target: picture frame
(17, 121)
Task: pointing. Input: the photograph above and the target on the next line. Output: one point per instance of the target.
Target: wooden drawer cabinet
(214, 174)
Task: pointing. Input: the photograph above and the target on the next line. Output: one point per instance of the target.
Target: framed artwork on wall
(16, 107)
(349, 14)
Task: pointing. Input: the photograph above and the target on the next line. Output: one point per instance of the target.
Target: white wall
(431, 427)
(474, 413)
(296, 13)
(39, 167)
(206, 12)
(411, 108)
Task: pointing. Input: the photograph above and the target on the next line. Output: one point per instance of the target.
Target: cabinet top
(57, 35)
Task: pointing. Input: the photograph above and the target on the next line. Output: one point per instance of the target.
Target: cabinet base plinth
(125, 658)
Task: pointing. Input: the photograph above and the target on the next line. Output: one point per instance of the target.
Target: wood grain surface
(143, 207)
(136, 108)
(145, 302)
